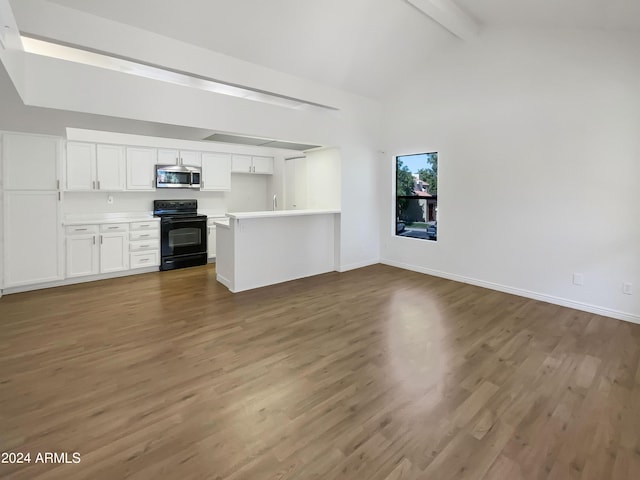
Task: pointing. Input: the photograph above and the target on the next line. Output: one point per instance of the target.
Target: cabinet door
(216, 171)
(32, 238)
(168, 157)
(211, 241)
(141, 168)
(80, 171)
(262, 165)
(241, 164)
(82, 255)
(192, 159)
(110, 168)
(30, 162)
(114, 252)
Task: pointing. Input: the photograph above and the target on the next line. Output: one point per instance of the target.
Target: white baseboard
(353, 266)
(224, 281)
(586, 307)
(73, 281)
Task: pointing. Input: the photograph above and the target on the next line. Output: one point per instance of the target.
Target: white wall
(539, 142)
(323, 179)
(249, 193)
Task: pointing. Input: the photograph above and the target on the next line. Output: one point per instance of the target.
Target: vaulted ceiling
(362, 46)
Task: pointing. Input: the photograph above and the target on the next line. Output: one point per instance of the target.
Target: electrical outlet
(110, 199)
(627, 288)
(578, 279)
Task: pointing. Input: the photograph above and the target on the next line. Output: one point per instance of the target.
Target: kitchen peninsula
(256, 249)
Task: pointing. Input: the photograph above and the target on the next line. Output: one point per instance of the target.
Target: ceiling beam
(9, 34)
(449, 16)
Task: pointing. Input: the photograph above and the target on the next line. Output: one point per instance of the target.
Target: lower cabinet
(93, 249)
(211, 241)
(32, 238)
(144, 245)
(114, 252)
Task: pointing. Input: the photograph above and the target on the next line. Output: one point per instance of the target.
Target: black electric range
(183, 233)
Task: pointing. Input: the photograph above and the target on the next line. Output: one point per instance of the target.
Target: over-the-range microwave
(177, 176)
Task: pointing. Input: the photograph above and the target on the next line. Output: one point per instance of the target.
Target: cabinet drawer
(81, 229)
(144, 225)
(139, 245)
(144, 234)
(114, 227)
(145, 259)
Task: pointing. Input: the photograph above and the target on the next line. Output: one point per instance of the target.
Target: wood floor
(373, 374)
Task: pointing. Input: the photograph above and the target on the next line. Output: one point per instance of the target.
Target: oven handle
(186, 220)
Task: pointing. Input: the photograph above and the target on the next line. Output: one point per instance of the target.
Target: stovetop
(176, 208)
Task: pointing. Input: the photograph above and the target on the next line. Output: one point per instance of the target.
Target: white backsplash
(93, 202)
(248, 193)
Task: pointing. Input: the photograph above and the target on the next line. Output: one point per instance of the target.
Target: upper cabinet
(216, 171)
(179, 157)
(30, 162)
(94, 167)
(110, 168)
(251, 164)
(80, 166)
(141, 168)
(90, 167)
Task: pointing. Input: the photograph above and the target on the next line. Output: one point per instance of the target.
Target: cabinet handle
(57, 184)
(59, 196)
(101, 239)
(144, 246)
(94, 239)
(146, 235)
(113, 228)
(98, 184)
(144, 226)
(80, 229)
(142, 260)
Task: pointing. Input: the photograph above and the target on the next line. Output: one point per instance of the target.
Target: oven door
(183, 236)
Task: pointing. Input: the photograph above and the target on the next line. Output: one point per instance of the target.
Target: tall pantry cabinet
(32, 223)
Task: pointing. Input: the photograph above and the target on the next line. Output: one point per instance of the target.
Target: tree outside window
(417, 196)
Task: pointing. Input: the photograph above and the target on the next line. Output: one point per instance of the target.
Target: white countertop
(211, 213)
(87, 218)
(279, 213)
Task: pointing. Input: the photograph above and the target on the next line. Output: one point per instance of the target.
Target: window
(417, 196)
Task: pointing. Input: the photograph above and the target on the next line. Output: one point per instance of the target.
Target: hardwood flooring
(373, 374)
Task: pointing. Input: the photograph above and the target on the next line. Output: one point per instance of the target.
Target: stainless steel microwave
(177, 176)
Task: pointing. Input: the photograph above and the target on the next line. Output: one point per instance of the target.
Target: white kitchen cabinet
(251, 164)
(211, 238)
(30, 162)
(141, 168)
(179, 157)
(144, 245)
(82, 255)
(91, 167)
(32, 238)
(80, 166)
(114, 252)
(93, 249)
(262, 165)
(110, 168)
(216, 172)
